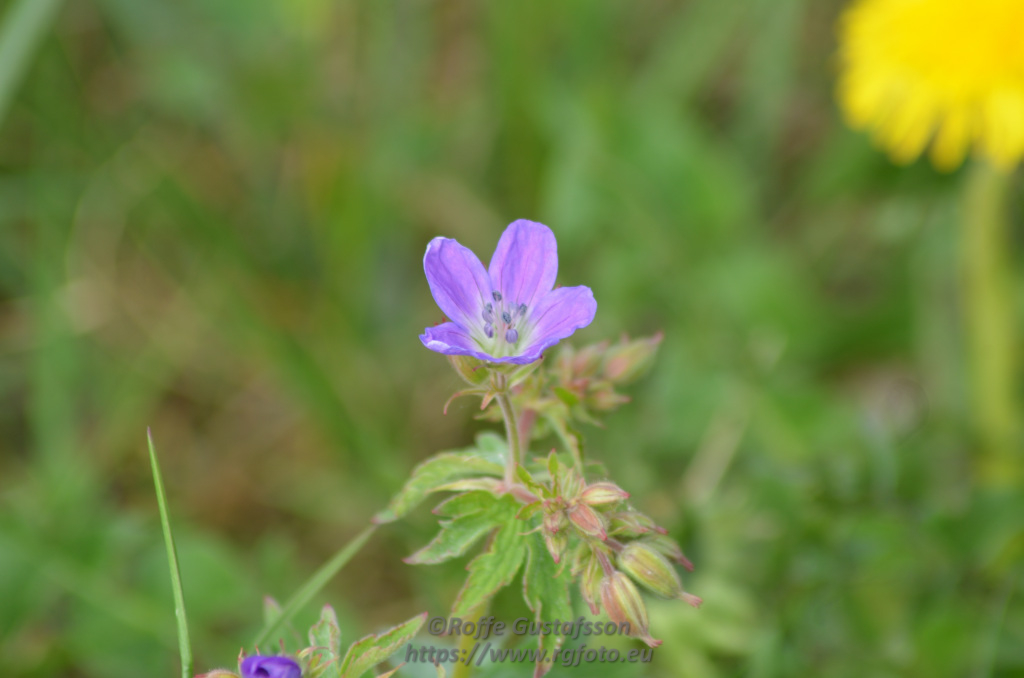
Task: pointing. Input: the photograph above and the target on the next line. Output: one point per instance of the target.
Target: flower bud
(604, 398)
(622, 603)
(554, 520)
(218, 673)
(628, 361)
(587, 360)
(588, 521)
(259, 666)
(668, 547)
(631, 524)
(648, 567)
(590, 583)
(599, 494)
(556, 542)
(570, 482)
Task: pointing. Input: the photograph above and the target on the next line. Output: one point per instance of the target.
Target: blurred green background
(213, 217)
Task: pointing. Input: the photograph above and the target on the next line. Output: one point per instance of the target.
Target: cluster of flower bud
(569, 503)
(588, 376)
(616, 547)
(611, 586)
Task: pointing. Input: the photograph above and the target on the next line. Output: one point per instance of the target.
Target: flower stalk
(989, 319)
(508, 413)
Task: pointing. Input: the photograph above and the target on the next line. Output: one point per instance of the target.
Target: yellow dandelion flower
(948, 72)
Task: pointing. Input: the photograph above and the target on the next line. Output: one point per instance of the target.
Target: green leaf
(486, 457)
(473, 515)
(184, 646)
(367, 652)
(313, 586)
(494, 569)
(325, 633)
(325, 641)
(546, 591)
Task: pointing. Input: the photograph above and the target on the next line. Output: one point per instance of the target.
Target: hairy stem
(511, 429)
(990, 319)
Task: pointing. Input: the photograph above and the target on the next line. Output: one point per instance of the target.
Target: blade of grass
(23, 28)
(313, 586)
(184, 646)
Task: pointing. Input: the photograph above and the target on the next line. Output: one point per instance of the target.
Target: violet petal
(457, 280)
(525, 263)
(557, 315)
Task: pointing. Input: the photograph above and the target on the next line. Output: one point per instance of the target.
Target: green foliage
(323, 658)
(184, 642)
(433, 474)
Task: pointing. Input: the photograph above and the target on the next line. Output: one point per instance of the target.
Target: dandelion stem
(989, 316)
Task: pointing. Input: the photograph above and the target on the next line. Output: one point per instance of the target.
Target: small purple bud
(512, 336)
(488, 313)
(489, 330)
(497, 295)
(507, 317)
(259, 666)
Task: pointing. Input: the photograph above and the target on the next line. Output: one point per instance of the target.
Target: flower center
(501, 319)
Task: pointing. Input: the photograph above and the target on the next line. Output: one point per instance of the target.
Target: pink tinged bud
(588, 521)
(474, 372)
(590, 583)
(630, 360)
(556, 542)
(218, 673)
(652, 570)
(587, 361)
(622, 603)
(599, 494)
(571, 483)
(606, 399)
(555, 521)
(668, 548)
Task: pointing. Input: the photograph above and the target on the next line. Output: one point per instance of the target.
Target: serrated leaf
(494, 569)
(325, 633)
(367, 652)
(484, 458)
(546, 591)
(473, 515)
(491, 485)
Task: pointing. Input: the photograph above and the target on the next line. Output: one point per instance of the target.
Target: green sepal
(494, 569)
(484, 458)
(473, 515)
(367, 652)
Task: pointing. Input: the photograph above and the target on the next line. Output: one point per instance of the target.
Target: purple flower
(270, 667)
(508, 313)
